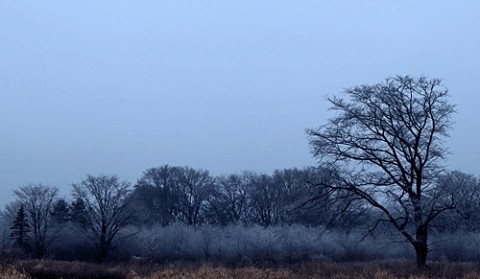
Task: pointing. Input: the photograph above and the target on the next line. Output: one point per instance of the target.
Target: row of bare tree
(107, 210)
(99, 209)
(102, 206)
(170, 194)
(379, 164)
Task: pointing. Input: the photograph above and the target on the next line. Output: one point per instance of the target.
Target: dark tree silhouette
(193, 188)
(106, 210)
(465, 188)
(38, 201)
(266, 200)
(154, 197)
(316, 205)
(78, 212)
(384, 147)
(168, 194)
(229, 200)
(20, 229)
(61, 212)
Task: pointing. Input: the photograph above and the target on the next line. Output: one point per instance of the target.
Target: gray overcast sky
(116, 87)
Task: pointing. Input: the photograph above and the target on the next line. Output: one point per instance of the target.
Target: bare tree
(465, 188)
(264, 200)
(384, 146)
(106, 210)
(193, 188)
(229, 200)
(38, 200)
(292, 187)
(170, 193)
(314, 205)
(154, 197)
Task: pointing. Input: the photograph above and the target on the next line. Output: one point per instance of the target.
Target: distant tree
(154, 198)
(20, 229)
(264, 199)
(170, 193)
(78, 212)
(292, 186)
(106, 210)
(384, 147)
(229, 200)
(193, 188)
(316, 204)
(465, 189)
(38, 201)
(5, 238)
(61, 212)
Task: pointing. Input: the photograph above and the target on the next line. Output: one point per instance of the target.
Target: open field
(377, 270)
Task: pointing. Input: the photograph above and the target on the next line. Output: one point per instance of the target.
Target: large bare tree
(38, 201)
(385, 147)
(106, 210)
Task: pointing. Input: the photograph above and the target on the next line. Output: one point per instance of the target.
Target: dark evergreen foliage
(20, 229)
(61, 212)
(78, 212)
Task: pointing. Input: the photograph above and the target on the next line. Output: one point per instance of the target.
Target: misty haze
(234, 139)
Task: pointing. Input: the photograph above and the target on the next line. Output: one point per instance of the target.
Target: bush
(457, 247)
(71, 244)
(244, 245)
(238, 245)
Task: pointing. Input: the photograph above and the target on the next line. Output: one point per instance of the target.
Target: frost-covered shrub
(355, 246)
(70, 244)
(298, 243)
(174, 242)
(4, 234)
(461, 246)
(239, 244)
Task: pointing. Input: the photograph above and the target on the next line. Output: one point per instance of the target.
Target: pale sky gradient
(116, 87)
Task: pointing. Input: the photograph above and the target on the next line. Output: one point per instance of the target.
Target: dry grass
(9, 272)
(343, 271)
(311, 270)
(43, 269)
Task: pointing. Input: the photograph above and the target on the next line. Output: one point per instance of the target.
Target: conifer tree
(20, 228)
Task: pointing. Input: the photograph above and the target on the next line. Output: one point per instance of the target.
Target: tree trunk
(421, 245)
(39, 249)
(39, 252)
(102, 249)
(102, 255)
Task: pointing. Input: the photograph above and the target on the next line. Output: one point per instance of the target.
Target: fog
(116, 87)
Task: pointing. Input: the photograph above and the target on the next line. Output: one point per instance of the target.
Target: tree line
(379, 170)
(107, 211)
(102, 206)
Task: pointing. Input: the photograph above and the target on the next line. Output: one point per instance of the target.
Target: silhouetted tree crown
(38, 200)
(385, 146)
(106, 214)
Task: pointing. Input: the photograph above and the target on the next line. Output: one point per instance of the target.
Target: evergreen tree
(20, 228)
(78, 212)
(61, 212)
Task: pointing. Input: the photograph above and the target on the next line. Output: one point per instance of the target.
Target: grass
(9, 272)
(39, 269)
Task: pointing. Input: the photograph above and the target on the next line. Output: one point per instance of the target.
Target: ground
(323, 269)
